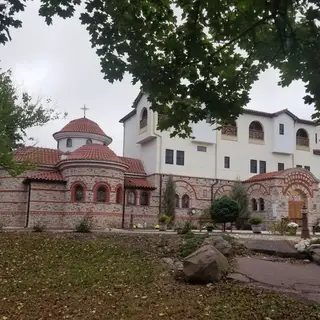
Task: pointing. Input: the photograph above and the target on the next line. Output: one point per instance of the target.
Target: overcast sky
(58, 62)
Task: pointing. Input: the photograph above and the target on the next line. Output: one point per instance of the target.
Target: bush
(164, 219)
(191, 243)
(255, 220)
(186, 228)
(224, 210)
(38, 227)
(280, 227)
(315, 241)
(84, 226)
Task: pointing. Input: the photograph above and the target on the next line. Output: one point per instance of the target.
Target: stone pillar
(305, 234)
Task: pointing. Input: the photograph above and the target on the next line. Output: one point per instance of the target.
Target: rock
(238, 277)
(312, 247)
(315, 254)
(168, 261)
(178, 266)
(205, 265)
(219, 243)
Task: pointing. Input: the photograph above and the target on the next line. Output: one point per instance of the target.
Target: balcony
(256, 134)
(229, 130)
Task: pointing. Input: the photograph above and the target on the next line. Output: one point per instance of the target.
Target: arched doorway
(297, 199)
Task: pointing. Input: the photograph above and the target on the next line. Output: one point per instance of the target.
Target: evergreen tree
(169, 199)
(239, 194)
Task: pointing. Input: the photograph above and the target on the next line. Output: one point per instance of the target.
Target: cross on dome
(84, 108)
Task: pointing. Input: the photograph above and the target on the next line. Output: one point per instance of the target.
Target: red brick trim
(298, 182)
(222, 188)
(95, 192)
(195, 194)
(92, 175)
(251, 189)
(12, 190)
(73, 189)
(47, 189)
(119, 187)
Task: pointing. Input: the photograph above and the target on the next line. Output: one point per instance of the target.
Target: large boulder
(314, 252)
(219, 243)
(205, 265)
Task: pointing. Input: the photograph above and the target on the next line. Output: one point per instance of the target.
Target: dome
(97, 152)
(83, 125)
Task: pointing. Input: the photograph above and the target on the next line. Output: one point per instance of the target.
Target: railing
(301, 141)
(229, 130)
(256, 134)
(143, 123)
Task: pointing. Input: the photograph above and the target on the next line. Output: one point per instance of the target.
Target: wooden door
(295, 211)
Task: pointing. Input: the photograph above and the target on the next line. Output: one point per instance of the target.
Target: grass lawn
(76, 276)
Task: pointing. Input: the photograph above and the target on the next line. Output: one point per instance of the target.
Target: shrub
(191, 243)
(315, 241)
(163, 218)
(186, 228)
(224, 210)
(84, 226)
(280, 227)
(169, 199)
(38, 227)
(255, 220)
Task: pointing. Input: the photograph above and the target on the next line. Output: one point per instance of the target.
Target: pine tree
(239, 194)
(169, 198)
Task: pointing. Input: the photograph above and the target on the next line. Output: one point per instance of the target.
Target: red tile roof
(265, 176)
(94, 151)
(135, 165)
(39, 156)
(83, 125)
(139, 183)
(47, 176)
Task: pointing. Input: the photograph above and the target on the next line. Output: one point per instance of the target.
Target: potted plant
(209, 227)
(164, 220)
(292, 228)
(256, 224)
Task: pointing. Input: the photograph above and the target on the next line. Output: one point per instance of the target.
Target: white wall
(76, 143)
(149, 155)
(204, 132)
(130, 131)
(284, 143)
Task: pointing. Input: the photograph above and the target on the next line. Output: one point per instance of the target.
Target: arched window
(119, 195)
(185, 201)
(177, 201)
(256, 131)
(78, 193)
(144, 118)
(229, 129)
(144, 198)
(69, 143)
(131, 198)
(302, 138)
(89, 141)
(102, 194)
(254, 205)
(261, 204)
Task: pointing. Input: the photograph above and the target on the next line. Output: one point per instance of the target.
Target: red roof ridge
(266, 176)
(46, 176)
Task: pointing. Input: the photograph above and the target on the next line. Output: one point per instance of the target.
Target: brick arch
(224, 190)
(257, 188)
(95, 191)
(73, 190)
(299, 185)
(187, 189)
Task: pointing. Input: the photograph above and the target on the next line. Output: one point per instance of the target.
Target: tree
(196, 58)
(224, 210)
(169, 199)
(17, 114)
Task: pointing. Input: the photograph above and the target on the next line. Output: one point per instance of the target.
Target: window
(227, 162)
(307, 168)
(254, 205)
(180, 158)
(298, 166)
(185, 201)
(256, 131)
(169, 156)
(69, 143)
(131, 198)
(263, 166)
(281, 128)
(280, 166)
(89, 141)
(201, 148)
(144, 118)
(78, 193)
(102, 194)
(261, 204)
(253, 166)
(144, 198)
(302, 138)
(177, 198)
(316, 138)
(229, 129)
(119, 195)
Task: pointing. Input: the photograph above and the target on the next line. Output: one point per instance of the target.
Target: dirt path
(298, 279)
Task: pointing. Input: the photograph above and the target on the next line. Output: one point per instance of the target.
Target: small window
(144, 198)
(227, 162)
(185, 201)
(261, 204)
(281, 128)
(69, 143)
(102, 194)
(280, 166)
(263, 166)
(254, 205)
(177, 199)
(180, 158)
(144, 118)
(298, 166)
(316, 138)
(201, 148)
(119, 196)
(89, 141)
(253, 166)
(169, 156)
(307, 168)
(131, 198)
(78, 193)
